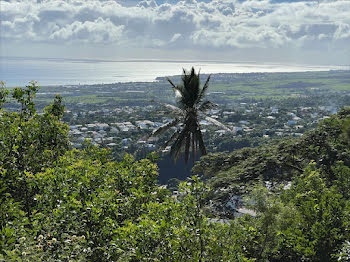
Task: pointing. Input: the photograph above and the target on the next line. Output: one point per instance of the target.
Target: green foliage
(346, 129)
(80, 205)
(345, 252)
(308, 222)
(280, 160)
(29, 144)
(177, 230)
(323, 215)
(89, 208)
(3, 94)
(25, 98)
(100, 196)
(56, 108)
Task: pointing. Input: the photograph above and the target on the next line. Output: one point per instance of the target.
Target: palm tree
(190, 106)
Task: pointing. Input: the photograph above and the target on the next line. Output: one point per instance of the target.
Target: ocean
(15, 71)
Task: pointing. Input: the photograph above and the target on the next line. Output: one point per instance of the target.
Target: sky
(289, 31)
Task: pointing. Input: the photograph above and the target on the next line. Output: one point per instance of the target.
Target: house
(81, 139)
(204, 123)
(108, 139)
(96, 135)
(150, 146)
(214, 111)
(297, 134)
(105, 111)
(124, 129)
(141, 142)
(237, 128)
(166, 119)
(129, 125)
(126, 141)
(167, 149)
(153, 139)
(114, 130)
(314, 115)
(220, 132)
(91, 126)
(75, 132)
(102, 126)
(141, 125)
(102, 132)
(274, 110)
(98, 139)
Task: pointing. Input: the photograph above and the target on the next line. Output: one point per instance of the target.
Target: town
(255, 109)
(127, 128)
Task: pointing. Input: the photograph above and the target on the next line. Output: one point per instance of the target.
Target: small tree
(29, 143)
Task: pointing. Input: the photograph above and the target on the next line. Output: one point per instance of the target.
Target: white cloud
(175, 38)
(342, 32)
(190, 24)
(97, 31)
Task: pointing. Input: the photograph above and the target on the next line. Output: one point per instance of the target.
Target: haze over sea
(18, 71)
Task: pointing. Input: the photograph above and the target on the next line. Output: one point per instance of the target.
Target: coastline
(58, 72)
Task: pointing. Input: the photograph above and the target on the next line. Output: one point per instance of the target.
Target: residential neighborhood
(124, 128)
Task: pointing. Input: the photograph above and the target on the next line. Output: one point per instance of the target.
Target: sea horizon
(19, 71)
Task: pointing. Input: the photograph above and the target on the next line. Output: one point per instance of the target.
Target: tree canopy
(63, 204)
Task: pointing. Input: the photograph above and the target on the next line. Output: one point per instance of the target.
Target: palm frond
(171, 82)
(178, 144)
(190, 88)
(187, 147)
(203, 91)
(165, 127)
(184, 72)
(171, 139)
(217, 123)
(194, 84)
(174, 109)
(201, 143)
(194, 149)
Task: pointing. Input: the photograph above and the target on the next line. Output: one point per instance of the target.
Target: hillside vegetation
(62, 204)
(280, 160)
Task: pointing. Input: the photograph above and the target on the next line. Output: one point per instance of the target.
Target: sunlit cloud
(190, 24)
